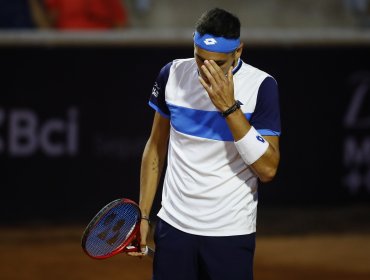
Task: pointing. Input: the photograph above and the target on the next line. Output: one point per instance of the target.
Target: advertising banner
(74, 122)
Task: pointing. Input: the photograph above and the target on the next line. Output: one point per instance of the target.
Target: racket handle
(151, 252)
(131, 248)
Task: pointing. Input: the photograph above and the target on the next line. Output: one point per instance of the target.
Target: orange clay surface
(54, 253)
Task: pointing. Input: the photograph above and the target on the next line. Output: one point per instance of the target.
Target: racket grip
(134, 246)
(151, 252)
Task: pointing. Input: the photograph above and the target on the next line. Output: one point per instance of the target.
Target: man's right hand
(144, 231)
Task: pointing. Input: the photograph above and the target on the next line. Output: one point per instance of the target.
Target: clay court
(325, 250)
(74, 122)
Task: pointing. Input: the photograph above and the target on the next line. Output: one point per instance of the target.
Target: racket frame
(133, 238)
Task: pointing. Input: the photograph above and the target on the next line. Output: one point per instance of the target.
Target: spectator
(15, 14)
(86, 14)
(22, 14)
(360, 10)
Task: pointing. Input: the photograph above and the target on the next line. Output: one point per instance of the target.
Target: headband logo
(210, 41)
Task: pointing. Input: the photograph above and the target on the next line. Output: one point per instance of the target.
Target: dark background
(109, 88)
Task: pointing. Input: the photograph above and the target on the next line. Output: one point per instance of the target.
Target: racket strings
(112, 230)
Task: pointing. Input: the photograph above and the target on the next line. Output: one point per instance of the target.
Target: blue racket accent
(111, 228)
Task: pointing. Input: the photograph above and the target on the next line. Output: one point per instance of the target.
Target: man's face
(223, 60)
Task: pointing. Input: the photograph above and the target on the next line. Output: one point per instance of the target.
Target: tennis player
(220, 118)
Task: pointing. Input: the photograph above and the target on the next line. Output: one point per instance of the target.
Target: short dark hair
(220, 23)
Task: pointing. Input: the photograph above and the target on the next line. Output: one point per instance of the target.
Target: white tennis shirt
(208, 189)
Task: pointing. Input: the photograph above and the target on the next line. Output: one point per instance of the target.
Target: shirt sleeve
(266, 116)
(158, 97)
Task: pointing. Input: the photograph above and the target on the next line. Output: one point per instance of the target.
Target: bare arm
(151, 169)
(152, 162)
(221, 92)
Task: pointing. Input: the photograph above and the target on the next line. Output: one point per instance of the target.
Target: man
(221, 117)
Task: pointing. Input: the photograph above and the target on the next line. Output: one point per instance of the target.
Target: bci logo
(23, 134)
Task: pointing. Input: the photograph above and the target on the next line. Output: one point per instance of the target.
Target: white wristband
(252, 146)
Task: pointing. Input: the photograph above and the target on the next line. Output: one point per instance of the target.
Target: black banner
(74, 122)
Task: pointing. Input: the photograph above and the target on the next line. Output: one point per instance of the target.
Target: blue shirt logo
(260, 138)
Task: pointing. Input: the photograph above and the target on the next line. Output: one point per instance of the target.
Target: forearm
(266, 165)
(238, 124)
(151, 170)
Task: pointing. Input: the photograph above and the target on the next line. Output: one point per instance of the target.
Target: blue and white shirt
(208, 189)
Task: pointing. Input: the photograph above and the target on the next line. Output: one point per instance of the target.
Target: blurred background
(75, 79)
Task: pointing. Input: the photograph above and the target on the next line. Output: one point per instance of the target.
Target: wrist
(252, 146)
(145, 218)
(232, 109)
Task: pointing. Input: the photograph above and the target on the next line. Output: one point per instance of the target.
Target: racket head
(112, 229)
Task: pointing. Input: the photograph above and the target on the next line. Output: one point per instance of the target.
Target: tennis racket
(114, 229)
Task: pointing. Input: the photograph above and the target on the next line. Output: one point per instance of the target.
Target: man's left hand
(220, 87)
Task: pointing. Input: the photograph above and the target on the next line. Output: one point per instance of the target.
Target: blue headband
(212, 43)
